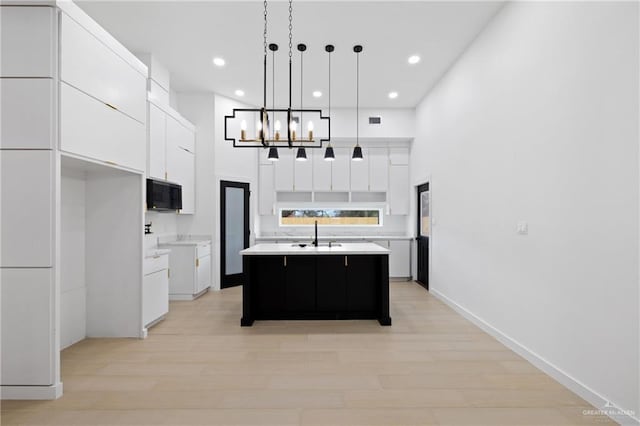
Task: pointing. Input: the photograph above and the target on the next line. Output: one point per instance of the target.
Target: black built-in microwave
(163, 196)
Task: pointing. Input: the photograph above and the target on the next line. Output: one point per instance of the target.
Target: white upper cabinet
(399, 156)
(303, 174)
(90, 128)
(340, 170)
(26, 179)
(186, 177)
(90, 66)
(378, 169)
(321, 171)
(398, 194)
(27, 113)
(284, 170)
(266, 194)
(28, 40)
(179, 135)
(157, 167)
(360, 173)
(180, 160)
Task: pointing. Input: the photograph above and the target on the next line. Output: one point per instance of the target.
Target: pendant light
(329, 155)
(301, 155)
(357, 150)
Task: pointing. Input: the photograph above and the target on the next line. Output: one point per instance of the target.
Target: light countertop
(332, 237)
(156, 252)
(294, 249)
(185, 243)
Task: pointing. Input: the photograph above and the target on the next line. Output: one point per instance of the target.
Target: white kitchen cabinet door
(321, 171)
(340, 170)
(90, 128)
(157, 143)
(398, 194)
(203, 274)
(303, 174)
(360, 173)
(179, 135)
(90, 66)
(155, 296)
(399, 258)
(28, 41)
(378, 169)
(284, 170)
(266, 191)
(26, 219)
(399, 156)
(27, 113)
(186, 177)
(26, 316)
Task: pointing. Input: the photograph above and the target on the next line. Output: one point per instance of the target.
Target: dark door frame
(235, 279)
(425, 242)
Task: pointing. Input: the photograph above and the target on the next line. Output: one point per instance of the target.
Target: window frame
(380, 223)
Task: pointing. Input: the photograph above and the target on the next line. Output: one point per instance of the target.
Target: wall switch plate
(523, 228)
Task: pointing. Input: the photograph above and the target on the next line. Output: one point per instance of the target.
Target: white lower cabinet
(155, 289)
(26, 314)
(190, 265)
(400, 258)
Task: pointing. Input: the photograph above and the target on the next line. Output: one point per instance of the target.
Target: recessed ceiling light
(414, 59)
(317, 94)
(239, 92)
(219, 62)
(393, 95)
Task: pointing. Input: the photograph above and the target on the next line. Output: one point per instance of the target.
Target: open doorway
(234, 230)
(423, 235)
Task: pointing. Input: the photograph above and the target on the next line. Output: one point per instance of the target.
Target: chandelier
(268, 129)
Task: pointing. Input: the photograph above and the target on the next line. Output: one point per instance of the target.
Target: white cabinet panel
(185, 176)
(73, 316)
(266, 190)
(28, 38)
(157, 143)
(155, 295)
(400, 258)
(203, 274)
(90, 128)
(340, 170)
(27, 328)
(284, 170)
(89, 65)
(303, 175)
(399, 156)
(321, 171)
(179, 135)
(360, 173)
(398, 190)
(27, 113)
(26, 185)
(378, 169)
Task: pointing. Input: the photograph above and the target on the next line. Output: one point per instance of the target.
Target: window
(331, 217)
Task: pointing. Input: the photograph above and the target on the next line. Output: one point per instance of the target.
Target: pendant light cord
(301, 121)
(329, 90)
(358, 99)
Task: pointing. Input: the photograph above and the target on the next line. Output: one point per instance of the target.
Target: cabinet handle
(110, 106)
(346, 261)
(168, 273)
(285, 261)
(166, 176)
(197, 262)
(111, 163)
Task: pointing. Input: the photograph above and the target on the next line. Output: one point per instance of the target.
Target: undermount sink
(303, 245)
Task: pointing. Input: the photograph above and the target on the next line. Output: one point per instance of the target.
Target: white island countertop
(295, 249)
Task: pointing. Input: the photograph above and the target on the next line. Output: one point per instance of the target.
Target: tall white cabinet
(70, 94)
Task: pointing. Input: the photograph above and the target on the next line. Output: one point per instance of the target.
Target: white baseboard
(31, 392)
(187, 296)
(603, 406)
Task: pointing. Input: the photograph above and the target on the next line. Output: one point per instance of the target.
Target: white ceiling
(186, 35)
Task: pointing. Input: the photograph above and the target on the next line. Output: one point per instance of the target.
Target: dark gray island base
(321, 285)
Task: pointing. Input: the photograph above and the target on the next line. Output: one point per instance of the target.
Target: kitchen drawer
(89, 65)
(203, 250)
(92, 129)
(28, 41)
(156, 263)
(27, 113)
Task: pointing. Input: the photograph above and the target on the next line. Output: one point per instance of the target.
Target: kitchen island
(337, 282)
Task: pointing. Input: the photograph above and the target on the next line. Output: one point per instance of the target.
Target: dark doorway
(424, 232)
(234, 230)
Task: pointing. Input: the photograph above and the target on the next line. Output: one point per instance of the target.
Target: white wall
(538, 121)
(73, 285)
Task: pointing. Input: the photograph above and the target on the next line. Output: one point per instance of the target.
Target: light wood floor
(199, 367)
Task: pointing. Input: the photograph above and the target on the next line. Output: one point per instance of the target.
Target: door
(424, 231)
(234, 230)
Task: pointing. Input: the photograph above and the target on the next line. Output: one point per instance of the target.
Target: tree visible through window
(331, 217)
